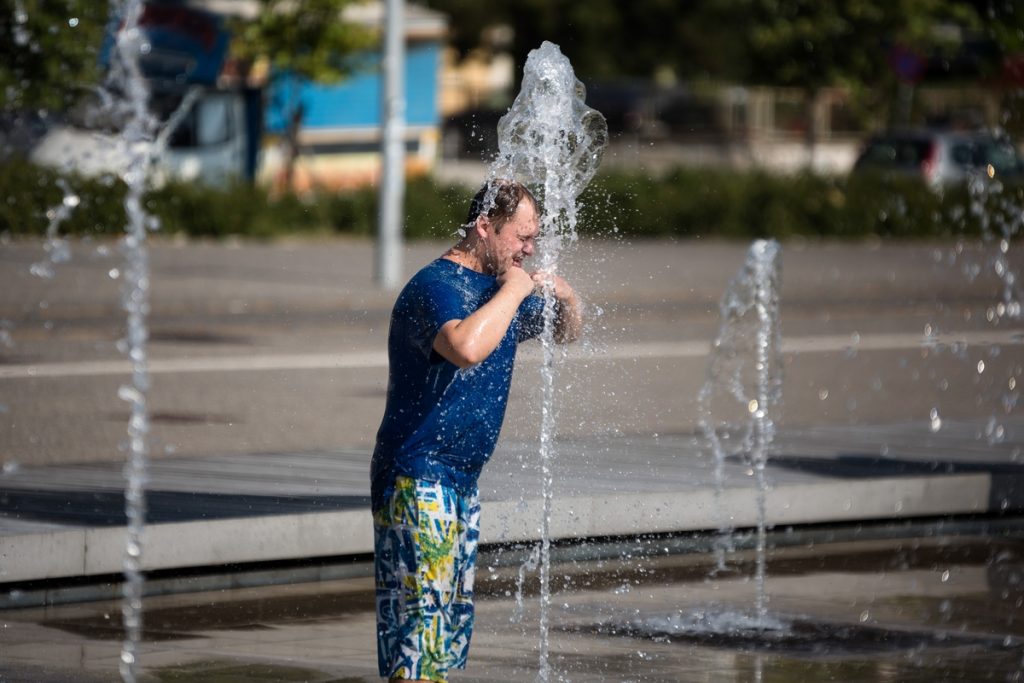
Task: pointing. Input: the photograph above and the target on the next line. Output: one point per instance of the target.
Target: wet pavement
(924, 605)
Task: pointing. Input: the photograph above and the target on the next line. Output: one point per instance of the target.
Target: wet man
(454, 332)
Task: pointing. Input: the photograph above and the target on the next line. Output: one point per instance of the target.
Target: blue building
(340, 132)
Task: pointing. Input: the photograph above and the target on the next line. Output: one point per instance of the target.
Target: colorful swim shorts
(425, 541)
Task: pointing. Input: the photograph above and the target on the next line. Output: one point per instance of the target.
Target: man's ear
(481, 226)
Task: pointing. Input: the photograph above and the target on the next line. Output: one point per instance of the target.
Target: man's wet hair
(498, 200)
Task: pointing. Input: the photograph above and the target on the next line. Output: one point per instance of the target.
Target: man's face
(514, 242)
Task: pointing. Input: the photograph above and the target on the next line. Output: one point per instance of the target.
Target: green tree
(49, 52)
(812, 45)
(804, 44)
(606, 39)
(306, 40)
(1003, 28)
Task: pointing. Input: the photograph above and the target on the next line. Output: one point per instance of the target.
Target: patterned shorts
(425, 541)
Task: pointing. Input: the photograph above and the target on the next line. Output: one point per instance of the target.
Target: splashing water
(124, 97)
(744, 385)
(1001, 221)
(137, 138)
(57, 249)
(528, 565)
(552, 142)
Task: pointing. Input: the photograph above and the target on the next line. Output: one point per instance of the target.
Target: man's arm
(469, 341)
(568, 320)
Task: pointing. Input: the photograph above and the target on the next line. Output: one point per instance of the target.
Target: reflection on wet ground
(940, 608)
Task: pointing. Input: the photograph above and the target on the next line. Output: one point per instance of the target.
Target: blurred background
(718, 110)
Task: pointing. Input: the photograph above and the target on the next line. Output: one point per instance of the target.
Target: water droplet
(864, 616)
(945, 576)
(752, 406)
(41, 269)
(822, 394)
(129, 394)
(981, 366)
(935, 422)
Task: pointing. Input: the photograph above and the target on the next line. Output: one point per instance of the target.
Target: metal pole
(392, 181)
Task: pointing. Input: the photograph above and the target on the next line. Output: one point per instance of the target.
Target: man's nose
(528, 248)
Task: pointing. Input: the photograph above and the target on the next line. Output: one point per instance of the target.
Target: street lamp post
(392, 181)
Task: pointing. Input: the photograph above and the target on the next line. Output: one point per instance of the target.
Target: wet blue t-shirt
(442, 423)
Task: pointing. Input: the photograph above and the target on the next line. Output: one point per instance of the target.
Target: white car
(941, 158)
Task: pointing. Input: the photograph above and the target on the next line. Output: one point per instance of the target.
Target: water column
(741, 395)
(765, 266)
(552, 142)
(143, 138)
(137, 139)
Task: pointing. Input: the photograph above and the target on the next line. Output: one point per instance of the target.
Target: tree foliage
(607, 39)
(306, 39)
(49, 51)
(807, 44)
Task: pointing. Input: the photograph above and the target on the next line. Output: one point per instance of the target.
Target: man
(454, 332)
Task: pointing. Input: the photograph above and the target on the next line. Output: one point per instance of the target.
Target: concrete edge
(71, 553)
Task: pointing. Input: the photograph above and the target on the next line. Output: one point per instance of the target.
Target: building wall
(356, 102)
(340, 134)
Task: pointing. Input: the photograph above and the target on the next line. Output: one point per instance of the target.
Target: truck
(215, 138)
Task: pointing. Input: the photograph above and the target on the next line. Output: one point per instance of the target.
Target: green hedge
(682, 203)
(711, 203)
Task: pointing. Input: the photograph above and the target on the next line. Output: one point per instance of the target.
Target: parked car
(941, 158)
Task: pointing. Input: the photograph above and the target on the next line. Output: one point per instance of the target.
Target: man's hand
(519, 280)
(569, 322)
(562, 290)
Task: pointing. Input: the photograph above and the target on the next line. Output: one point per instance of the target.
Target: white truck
(215, 137)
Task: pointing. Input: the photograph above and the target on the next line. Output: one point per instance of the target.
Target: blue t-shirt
(442, 423)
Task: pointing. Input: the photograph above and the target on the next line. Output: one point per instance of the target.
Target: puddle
(793, 635)
(219, 671)
(185, 621)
